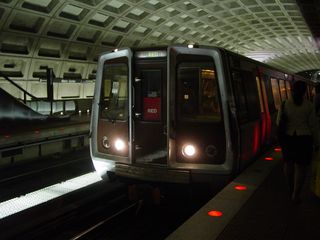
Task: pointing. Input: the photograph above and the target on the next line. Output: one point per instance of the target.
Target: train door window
(151, 88)
(275, 92)
(198, 95)
(240, 96)
(288, 87)
(259, 93)
(114, 94)
(283, 92)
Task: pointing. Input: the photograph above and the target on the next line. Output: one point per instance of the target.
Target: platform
(270, 214)
(32, 140)
(262, 209)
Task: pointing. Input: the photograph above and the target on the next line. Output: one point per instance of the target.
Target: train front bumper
(155, 174)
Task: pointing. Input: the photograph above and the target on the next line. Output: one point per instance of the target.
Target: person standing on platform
(301, 138)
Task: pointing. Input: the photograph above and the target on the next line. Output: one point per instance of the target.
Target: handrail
(20, 88)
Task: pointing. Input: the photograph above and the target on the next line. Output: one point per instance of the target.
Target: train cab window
(288, 87)
(114, 94)
(151, 88)
(275, 92)
(198, 92)
(283, 92)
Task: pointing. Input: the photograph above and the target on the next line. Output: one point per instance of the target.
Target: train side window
(114, 93)
(151, 90)
(198, 92)
(308, 92)
(240, 96)
(283, 92)
(259, 93)
(275, 92)
(288, 87)
(312, 92)
(268, 86)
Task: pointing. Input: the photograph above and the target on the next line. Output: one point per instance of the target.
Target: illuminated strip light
(151, 54)
(32, 199)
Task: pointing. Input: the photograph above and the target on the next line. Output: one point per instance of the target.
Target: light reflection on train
(178, 114)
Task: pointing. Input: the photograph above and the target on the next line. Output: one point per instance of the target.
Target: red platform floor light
(268, 158)
(277, 149)
(215, 213)
(240, 187)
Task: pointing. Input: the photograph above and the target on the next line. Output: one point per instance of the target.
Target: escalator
(13, 110)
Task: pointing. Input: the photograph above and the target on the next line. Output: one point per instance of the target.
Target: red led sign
(152, 109)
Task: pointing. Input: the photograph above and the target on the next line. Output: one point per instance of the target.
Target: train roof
(262, 65)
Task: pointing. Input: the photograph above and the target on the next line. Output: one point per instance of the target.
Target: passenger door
(149, 113)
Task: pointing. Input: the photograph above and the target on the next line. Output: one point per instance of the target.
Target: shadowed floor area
(270, 214)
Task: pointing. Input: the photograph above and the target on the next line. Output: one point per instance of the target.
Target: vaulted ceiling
(71, 34)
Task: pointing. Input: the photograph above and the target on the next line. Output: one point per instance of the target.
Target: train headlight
(188, 150)
(119, 144)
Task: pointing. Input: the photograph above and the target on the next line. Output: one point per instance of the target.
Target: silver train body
(178, 114)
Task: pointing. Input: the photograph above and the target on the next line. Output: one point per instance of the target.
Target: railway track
(28, 177)
(145, 219)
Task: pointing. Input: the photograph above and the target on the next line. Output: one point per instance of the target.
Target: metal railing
(25, 93)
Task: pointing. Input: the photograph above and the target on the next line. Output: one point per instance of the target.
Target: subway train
(183, 114)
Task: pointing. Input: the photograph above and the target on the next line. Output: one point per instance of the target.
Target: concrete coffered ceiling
(71, 34)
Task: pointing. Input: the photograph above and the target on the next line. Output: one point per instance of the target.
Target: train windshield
(114, 94)
(199, 98)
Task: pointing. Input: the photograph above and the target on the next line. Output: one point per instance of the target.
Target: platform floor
(270, 214)
(261, 210)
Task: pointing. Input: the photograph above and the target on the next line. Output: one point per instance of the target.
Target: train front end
(162, 115)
